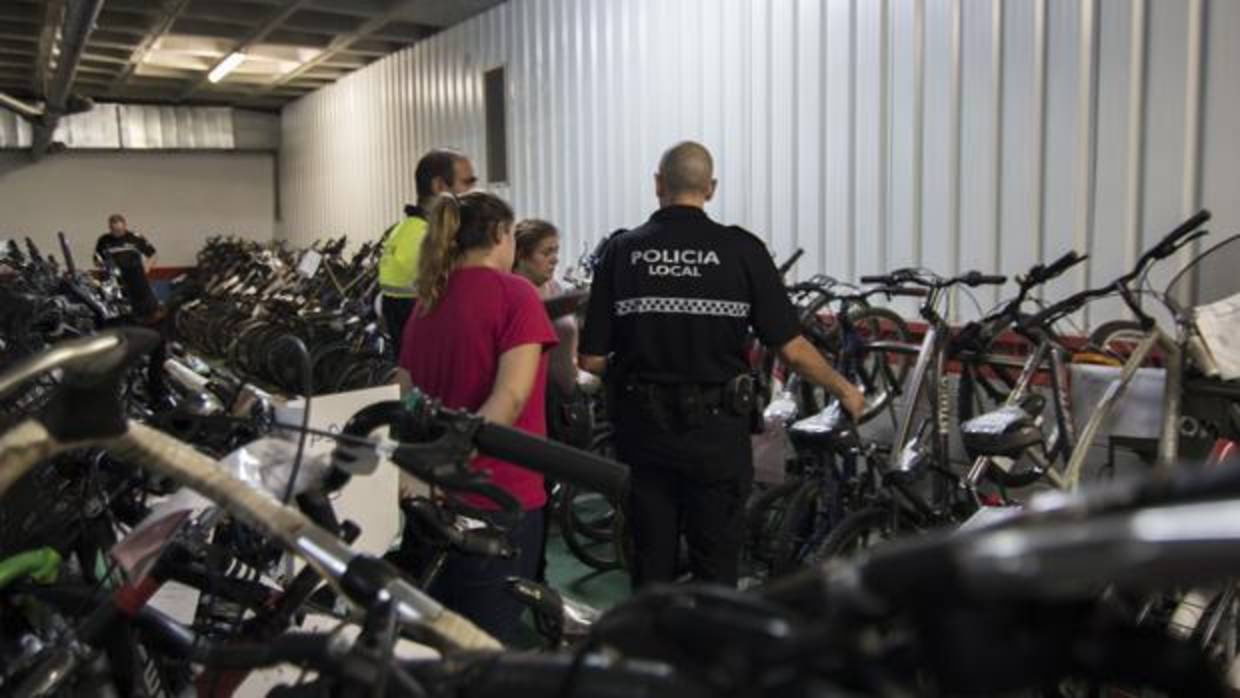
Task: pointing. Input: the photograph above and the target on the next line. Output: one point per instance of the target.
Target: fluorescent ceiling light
(226, 66)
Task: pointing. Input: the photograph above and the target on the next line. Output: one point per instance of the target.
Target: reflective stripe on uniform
(682, 306)
(397, 291)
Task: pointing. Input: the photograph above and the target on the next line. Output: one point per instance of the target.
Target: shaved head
(687, 169)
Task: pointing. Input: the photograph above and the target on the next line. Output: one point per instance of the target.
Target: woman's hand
(514, 382)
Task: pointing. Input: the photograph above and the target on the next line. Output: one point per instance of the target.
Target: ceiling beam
(343, 42)
(47, 37)
(273, 22)
(172, 10)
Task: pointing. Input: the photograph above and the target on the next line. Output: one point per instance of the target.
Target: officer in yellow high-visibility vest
(438, 171)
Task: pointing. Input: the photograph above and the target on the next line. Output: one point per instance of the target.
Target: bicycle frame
(1169, 433)
(1046, 351)
(933, 353)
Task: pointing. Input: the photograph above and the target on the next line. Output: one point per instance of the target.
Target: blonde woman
(478, 340)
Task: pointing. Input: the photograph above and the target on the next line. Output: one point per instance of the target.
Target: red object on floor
(167, 273)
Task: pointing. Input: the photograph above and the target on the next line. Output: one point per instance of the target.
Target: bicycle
(1009, 607)
(1018, 429)
(789, 520)
(921, 439)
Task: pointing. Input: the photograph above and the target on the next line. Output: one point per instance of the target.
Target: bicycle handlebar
(555, 459)
(1040, 274)
(901, 277)
(359, 577)
(1172, 241)
(450, 435)
(477, 676)
(1183, 234)
(816, 287)
(790, 262)
(86, 360)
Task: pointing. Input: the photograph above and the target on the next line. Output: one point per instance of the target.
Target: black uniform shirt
(109, 242)
(674, 300)
(123, 253)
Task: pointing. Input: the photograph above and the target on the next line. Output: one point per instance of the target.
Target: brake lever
(1182, 243)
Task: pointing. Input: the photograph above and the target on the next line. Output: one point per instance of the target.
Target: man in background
(439, 171)
(130, 257)
(120, 236)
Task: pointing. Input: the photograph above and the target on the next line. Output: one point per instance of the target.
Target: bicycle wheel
(795, 527)
(763, 517)
(1209, 618)
(1117, 339)
(592, 528)
(984, 386)
(879, 373)
(862, 530)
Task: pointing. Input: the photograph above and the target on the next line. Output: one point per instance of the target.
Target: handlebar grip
(561, 462)
(876, 279)
(23, 447)
(463, 633)
(1168, 245)
(1064, 263)
(787, 265)
(1194, 222)
(907, 291)
(975, 278)
(485, 544)
(804, 287)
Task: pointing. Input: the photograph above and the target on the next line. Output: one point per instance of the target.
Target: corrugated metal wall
(874, 133)
(151, 127)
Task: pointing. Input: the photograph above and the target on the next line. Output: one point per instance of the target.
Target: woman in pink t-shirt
(478, 340)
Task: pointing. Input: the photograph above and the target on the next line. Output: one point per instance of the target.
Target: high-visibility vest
(398, 265)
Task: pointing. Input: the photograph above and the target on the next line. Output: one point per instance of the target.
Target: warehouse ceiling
(162, 51)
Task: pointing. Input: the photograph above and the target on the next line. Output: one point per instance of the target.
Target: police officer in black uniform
(671, 306)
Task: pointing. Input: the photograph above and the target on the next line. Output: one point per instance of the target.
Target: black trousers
(684, 480)
(664, 503)
(395, 312)
(474, 585)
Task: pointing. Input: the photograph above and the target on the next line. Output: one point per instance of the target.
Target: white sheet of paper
(177, 600)
(1218, 323)
(370, 501)
(309, 264)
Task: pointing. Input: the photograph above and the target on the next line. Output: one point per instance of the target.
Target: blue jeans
(473, 585)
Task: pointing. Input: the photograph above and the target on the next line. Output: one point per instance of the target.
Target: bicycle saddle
(829, 428)
(1008, 431)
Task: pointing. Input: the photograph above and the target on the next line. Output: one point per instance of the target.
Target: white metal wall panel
(953, 134)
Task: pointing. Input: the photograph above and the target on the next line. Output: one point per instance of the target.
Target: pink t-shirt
(452, 354)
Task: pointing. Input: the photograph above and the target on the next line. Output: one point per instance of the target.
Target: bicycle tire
(851, 535)
(1117, 338)
(599, 528)
(881, 374)
(763, 515)
(795, 527)
(585, 548)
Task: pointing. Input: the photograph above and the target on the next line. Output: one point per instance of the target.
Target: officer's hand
(854, 401)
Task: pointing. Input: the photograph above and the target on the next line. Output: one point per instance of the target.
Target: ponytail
(456, 225)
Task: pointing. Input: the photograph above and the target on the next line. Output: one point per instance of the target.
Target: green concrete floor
(580, 581)
(575, 579)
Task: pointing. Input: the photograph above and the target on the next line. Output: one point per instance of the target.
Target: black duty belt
(689, 404)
